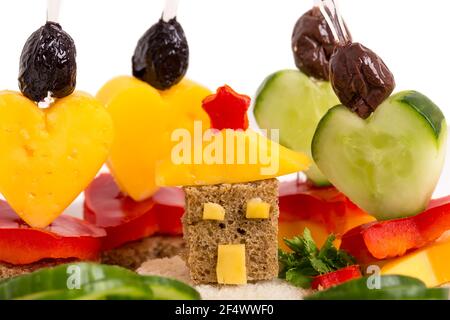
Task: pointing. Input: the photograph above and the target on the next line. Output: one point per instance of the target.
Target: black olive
(360, 78)
(161, 57)
(48, 63)
(313, 44)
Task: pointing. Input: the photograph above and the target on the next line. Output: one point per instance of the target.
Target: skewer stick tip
(170, 10)
(53, 9)
(330, 11)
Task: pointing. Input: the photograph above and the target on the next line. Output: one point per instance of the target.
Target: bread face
(258, 235)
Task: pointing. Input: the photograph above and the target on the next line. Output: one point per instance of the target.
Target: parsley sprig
(307, 260)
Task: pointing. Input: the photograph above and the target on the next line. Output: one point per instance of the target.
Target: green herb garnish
(307, 260)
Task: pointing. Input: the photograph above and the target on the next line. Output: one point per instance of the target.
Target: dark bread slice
(133, 254)
(259, 235)
(9, 270)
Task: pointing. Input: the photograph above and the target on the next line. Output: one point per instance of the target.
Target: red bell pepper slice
(326, 206)
(169, 208)
(438, 202)
(389, 239)
(335, 278)
(126, 220)
(67, 237)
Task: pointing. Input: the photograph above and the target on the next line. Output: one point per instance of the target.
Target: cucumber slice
(389, 164)
(169, 289)
(96, 282)
(292, 102)
(391, 288)
(114, 289)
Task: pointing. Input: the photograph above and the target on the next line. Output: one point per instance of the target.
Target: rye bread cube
(203, 237)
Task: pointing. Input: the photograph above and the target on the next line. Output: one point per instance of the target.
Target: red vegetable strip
(326, 206)
(335, 278)
(389, 239)
(126, 220)
(67, 237)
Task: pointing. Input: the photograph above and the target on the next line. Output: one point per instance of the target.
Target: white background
(240, 42)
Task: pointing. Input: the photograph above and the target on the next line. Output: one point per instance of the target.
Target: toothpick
(53, 7)
(334, 19)
(170, 10)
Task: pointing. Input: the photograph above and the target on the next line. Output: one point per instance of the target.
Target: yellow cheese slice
(429, 264)
(144, 119)
(227, 156)
(48, 156)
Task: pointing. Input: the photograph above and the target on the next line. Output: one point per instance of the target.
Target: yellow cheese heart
(48, 156)
(143, 121)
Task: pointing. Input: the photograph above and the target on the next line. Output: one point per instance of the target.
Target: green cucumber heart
(389, 164)
(292, 102)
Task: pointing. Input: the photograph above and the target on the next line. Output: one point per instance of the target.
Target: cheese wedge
(227, 156)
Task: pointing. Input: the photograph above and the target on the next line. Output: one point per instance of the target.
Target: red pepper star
(227, 109)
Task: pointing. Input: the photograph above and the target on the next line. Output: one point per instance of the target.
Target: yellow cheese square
(231, 264)
(257, 209)
(416, 265)
(429, 264)
(213, 211)
(439, 255)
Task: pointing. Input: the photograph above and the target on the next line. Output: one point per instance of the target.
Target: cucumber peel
(392, 287)
(293, 103)
(89, 281)
(426, 108)
(101, 290)
(390, 163)
(169, 289)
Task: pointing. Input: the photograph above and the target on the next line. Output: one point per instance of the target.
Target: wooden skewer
(334, 19)
(170, 10)
(53, 7)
